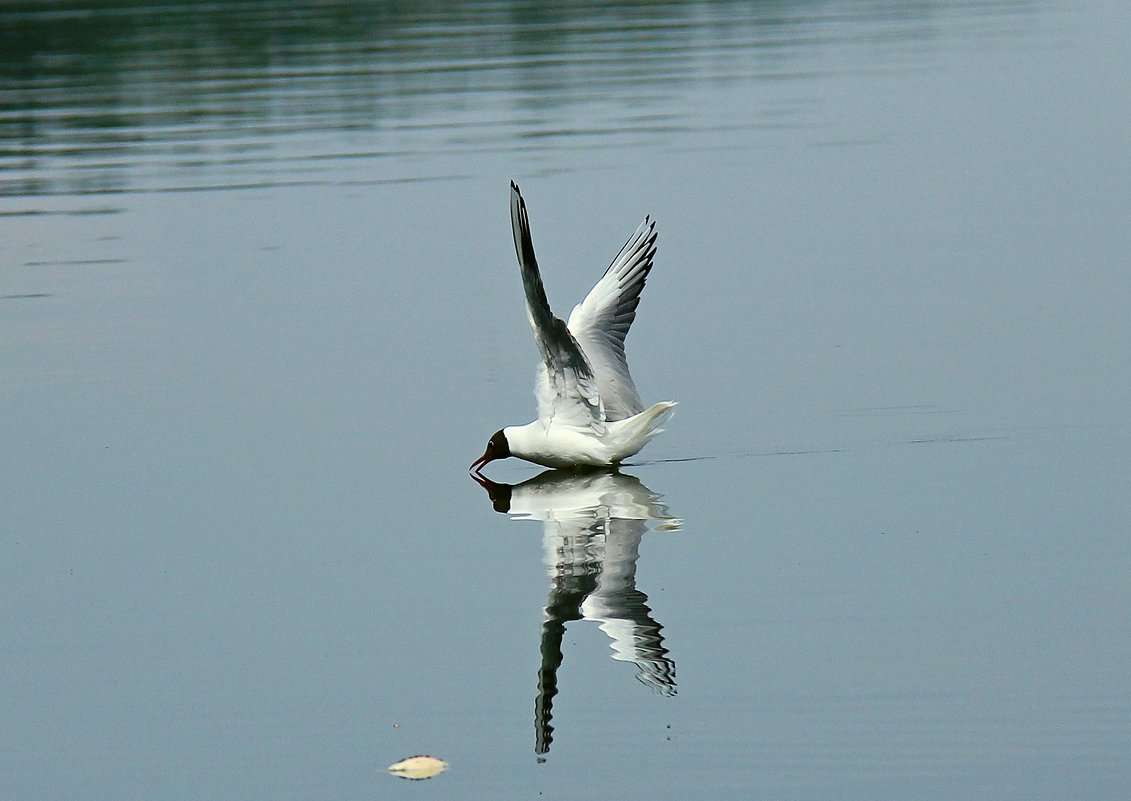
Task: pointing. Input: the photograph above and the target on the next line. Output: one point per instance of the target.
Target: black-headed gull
(589, 412)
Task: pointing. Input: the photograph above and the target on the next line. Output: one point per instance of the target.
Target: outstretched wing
(566, 388)
(600, 323)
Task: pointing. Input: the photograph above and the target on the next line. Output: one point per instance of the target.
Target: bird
(589, 412)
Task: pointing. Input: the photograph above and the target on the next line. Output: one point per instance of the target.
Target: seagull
(589, 412)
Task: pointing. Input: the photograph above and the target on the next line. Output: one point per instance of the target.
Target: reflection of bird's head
(500, 494)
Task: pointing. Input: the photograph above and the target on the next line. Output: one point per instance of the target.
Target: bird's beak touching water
(478, 464)
(497, 448)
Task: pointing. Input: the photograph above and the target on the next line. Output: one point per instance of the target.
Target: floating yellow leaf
(418, 767)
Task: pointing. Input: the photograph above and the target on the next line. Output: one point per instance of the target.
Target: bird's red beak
(478, 464)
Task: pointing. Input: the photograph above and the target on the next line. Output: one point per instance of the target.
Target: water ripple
(168, 97)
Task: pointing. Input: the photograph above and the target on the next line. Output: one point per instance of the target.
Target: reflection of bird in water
(592, 523)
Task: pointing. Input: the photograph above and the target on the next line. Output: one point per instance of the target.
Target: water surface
(259, 311)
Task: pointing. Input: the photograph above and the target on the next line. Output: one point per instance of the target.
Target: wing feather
(600, 323)
(566, 388)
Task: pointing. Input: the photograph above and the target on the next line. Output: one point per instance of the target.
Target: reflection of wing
(567, 591)
(593, 524)
(623, 612)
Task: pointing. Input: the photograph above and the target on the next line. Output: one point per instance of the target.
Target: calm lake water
(259, 309)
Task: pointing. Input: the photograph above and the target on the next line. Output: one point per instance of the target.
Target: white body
(572, 446)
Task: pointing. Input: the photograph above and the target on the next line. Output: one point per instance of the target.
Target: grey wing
(600, 323)
(566, 388)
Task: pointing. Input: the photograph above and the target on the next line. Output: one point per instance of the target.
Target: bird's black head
(497, 448)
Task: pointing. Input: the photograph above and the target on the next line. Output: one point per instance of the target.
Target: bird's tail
(647, 424)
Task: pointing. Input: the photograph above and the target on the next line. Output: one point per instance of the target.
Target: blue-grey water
(259, 310)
